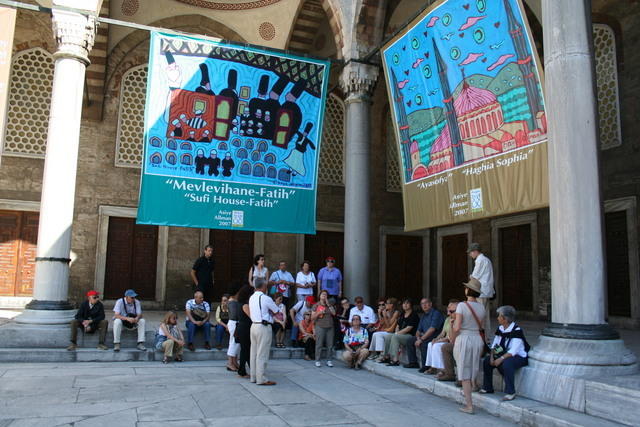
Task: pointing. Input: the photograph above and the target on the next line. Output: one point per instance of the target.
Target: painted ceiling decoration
(236, 5)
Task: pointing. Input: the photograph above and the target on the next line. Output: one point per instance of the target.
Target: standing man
(330, 279)
(128, 313)
(261, 311)
(202, 273)
(283, 281)
(483, 273)
(429, 327)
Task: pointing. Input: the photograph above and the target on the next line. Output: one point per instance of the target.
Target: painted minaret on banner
(403, 127)
(452, 120)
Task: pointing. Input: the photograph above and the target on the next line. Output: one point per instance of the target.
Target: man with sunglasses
(90, 318)
(330, 279)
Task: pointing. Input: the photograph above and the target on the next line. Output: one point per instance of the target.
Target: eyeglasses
(93, 297)
(451, 311)
(307, 315)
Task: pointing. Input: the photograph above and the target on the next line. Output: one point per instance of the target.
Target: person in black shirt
(406, 329)
(202, 273)
(90, 317)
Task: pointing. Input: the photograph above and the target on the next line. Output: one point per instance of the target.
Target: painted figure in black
(295, 160)
(214, 163)
(205, 83)
(272, 105)
(252, 119)
(200, 162)
(227, 165)
(205, 136)
(230, 91)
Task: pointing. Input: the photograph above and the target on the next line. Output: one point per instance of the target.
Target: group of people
(452, 346)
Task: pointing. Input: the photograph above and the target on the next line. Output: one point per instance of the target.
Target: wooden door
(233, 257)
(403, 277)
(617, 252)
(321, 245)
(515, 267)
(18, 240)
(455, 267)
(132, 253)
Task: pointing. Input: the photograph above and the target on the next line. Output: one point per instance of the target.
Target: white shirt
(260, 307)
(300, 308)
(515, 346)
(278, 275)
(367, 315)
(122, 307)
(303, 279)
(191, 305)
(483, 272)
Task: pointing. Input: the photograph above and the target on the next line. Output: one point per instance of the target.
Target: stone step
(57, 355)
(614, 398)
(521, 410)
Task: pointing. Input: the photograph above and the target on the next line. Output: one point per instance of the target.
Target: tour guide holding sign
(330, 279)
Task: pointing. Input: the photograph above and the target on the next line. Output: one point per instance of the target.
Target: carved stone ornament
(358, 80)
(74, 33)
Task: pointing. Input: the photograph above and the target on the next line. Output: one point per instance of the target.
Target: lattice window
(133, 91)
(332, 153)
(604, 41)
(29, 103)
(394, 182)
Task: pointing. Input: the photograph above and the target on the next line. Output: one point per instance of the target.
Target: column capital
(74, 33)
(358, 80)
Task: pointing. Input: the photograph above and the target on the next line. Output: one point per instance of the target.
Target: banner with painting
(467, 98)
(232, 137)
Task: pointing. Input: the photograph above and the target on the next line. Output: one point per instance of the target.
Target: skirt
(434, 355)
(467, 351)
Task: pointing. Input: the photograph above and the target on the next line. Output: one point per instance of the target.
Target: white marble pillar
(74, 35)
(579, 343)
(357, 81)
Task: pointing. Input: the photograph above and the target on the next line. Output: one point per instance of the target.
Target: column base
(46, 313)
(560, 367)
(581, 332)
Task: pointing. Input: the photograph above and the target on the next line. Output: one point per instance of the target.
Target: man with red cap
(297, 314)
(90, 318)
(330, 279)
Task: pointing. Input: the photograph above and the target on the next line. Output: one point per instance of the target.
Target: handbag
(485, 348)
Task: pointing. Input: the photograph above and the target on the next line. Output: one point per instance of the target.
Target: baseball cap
(310, 299)
(330, 258)
(92, 293)
(130, 293)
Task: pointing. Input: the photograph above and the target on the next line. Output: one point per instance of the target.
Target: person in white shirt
(198, 312)
(297, 314)
(128, 313)
(261, 310)
(305, 281)
(483, 273)
(509, 352)
(366, 313)
(283, 282)
(258, 270)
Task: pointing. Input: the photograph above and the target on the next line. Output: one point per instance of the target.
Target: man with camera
(261, 310)
(128, 314)
(198, 312)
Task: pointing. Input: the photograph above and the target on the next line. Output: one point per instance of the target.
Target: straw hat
(473, 284)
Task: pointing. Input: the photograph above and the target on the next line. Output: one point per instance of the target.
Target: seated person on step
(198, 311)
(128, 313)
(356, 341)
(169, 338)
(90, 318)
(435, 360)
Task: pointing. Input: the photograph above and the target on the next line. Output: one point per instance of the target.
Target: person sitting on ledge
(405, 330)
(509, 352)
(128, 313)
(169, 338)
(435, 361)
(198, 312)
(356, 340)
(90, 318)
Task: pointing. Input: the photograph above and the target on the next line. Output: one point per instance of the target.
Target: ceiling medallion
(237, 5)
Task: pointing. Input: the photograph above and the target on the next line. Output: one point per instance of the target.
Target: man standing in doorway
(330, 279)
(202, 273)
(483, 273)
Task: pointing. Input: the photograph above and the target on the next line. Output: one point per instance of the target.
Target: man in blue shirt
(429, 327)
(330, 279)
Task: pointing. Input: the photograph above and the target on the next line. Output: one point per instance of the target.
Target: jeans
(220, 331)
(191, 331)
(411, 351)
(507, 368)
(294, 333)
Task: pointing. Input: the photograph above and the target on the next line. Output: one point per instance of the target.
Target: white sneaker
(318, 364)
(509, 397)
(330, 363)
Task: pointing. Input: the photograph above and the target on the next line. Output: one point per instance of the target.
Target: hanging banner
(232, 137)
(466, 95)
(7, 23)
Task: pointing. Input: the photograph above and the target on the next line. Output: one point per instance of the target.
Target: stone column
(578, 343)
(74, 35)
(357, 81)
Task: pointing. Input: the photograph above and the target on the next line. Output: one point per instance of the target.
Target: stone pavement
(205, 394)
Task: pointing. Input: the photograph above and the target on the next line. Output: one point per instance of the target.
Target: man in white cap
(128, 313)
(483, 273)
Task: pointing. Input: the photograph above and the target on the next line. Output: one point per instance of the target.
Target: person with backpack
(127, 313)
(509, 352)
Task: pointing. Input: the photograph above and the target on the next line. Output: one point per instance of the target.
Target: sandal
(179, 359)
(165, 360)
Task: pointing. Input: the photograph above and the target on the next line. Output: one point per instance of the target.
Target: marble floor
(205, 394)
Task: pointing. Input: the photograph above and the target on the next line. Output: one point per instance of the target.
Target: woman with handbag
(169, 338)
(470, 342)
(356, 340)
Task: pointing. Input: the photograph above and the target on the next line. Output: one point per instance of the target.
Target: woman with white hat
(470, 341)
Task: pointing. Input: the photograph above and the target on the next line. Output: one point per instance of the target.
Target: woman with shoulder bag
(470, 342)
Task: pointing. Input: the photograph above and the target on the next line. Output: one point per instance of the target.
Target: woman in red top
(323, 314)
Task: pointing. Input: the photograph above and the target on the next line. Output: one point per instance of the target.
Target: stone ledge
(521, 410)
